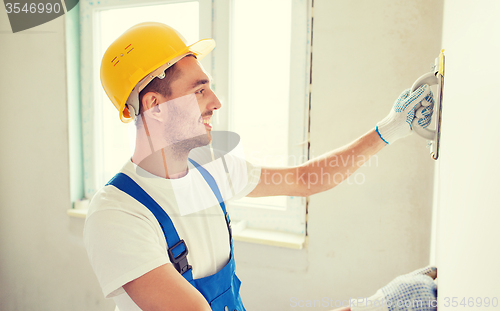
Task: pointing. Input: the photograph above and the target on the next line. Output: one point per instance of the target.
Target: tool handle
(430, 79)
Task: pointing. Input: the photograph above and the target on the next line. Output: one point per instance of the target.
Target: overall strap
(177, 250)
(215, 189)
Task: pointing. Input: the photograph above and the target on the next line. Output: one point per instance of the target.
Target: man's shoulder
(109, 198)
(112, 210)
(113, 199)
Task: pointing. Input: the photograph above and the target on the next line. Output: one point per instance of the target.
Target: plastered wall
(43, 264)
(467, 210)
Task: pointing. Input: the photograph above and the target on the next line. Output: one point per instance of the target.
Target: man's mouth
(206, 121)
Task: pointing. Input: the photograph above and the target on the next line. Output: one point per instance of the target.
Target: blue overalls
(221, 290)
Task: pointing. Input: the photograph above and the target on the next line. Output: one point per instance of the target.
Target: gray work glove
(415, 291)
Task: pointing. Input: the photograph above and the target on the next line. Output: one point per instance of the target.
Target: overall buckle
(180, 261)
(228, 223)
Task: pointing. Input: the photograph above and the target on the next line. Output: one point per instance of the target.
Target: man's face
(192, 79)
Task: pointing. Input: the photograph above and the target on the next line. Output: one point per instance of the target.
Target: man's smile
(206, 121)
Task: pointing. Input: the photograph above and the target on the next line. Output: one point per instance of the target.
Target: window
(268, 92)
(260, 83)
(260, 72)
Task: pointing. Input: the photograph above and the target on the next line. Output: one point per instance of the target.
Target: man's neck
(166, 163)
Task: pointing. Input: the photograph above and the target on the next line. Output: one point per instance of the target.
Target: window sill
(266, 237)
(241, 233)
(80, 209)
(77, 213)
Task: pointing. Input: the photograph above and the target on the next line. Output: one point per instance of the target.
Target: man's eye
(200, 91)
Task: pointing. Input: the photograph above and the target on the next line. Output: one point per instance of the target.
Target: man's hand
(413, 291)
(398, 123)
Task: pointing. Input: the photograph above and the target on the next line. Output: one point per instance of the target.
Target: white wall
(360, 236)
(43, 264)
(467, 208)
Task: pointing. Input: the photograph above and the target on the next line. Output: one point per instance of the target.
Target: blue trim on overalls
(221, 289)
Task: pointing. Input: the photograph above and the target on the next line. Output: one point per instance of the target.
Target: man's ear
(150, 100)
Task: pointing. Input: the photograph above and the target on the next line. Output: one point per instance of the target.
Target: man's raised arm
(327, 171)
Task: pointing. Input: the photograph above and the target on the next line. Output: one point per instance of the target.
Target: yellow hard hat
(140, 54)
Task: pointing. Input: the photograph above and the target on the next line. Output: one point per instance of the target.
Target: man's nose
(214, 102)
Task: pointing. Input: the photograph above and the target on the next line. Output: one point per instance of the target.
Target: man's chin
(203, 140)
(193, 142)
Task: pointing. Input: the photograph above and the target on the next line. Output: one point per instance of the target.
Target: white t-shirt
(124, 240)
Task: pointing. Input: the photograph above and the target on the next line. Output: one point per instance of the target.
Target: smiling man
(158, 234)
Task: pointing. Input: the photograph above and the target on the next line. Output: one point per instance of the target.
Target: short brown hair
(161, 86)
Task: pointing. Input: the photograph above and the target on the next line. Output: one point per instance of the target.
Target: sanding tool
(435, 77)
